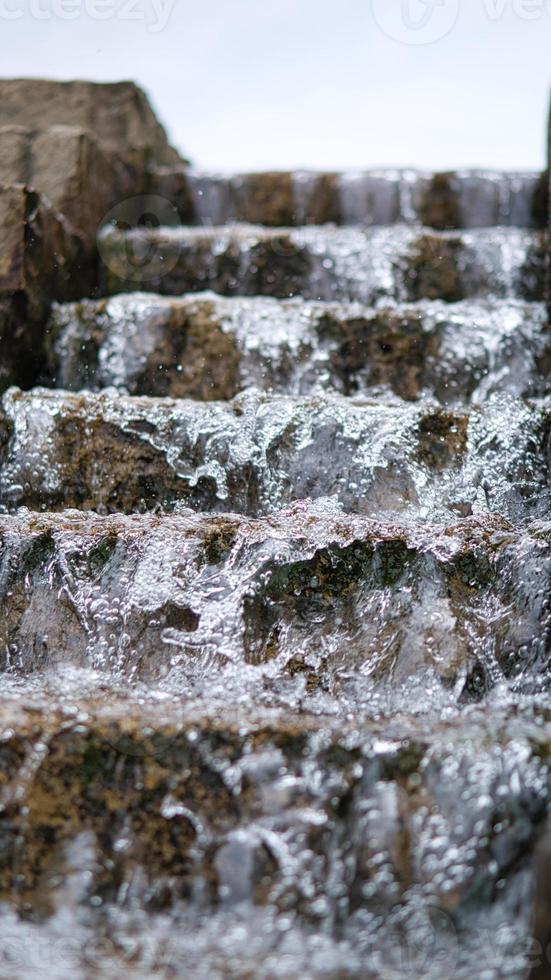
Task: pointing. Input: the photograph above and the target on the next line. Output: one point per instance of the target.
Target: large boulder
(72, 169)
(86, 147)
(119, 115)
(69, 153)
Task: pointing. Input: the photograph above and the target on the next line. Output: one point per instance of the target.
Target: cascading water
(364, 198)
(275, 572)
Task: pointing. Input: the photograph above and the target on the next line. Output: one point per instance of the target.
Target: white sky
(249, 84)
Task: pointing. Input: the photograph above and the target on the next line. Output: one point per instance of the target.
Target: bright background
(249, 84)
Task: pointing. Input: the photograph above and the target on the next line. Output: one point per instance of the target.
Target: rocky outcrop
(117, 115)
(69, 152)
(72, 170)
(86, 147)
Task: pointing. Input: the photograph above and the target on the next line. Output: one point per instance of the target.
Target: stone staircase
(275, 566)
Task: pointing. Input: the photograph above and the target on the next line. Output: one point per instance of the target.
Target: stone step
(210, 347)
(145, 838)
(110, 452)
(369, 266)
(461, 199)
(310, 606)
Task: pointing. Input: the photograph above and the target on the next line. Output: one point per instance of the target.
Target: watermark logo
(154, 14)
(421, 945)
(134, 239)
(416, 21)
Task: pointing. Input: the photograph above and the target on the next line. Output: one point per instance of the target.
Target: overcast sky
(249, 84)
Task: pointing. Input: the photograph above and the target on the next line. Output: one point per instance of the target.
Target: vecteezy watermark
(154, 14)
(135, 241)
(422, 944)
(417, 22)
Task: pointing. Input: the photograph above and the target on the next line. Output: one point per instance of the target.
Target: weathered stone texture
(118, 115)
(41, 258)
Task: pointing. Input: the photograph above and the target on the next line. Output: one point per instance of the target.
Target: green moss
(405, 763)
(219, 539)
(101, 553)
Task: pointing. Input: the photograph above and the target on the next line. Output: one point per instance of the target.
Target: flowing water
(464, 199)
(275, 574)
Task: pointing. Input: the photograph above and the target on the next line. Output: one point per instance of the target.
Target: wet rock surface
(324, 604)
(110, 452)
(275, 623)
(368, 266)
(465, 199)
(211, 844)
(211, 347)
(249, 823)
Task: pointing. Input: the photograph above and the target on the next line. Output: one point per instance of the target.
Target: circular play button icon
(416, 21)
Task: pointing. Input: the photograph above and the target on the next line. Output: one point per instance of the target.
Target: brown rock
(41, 255)
(439, 205)
(119, 115)
(13, 206)
(268, 199)
(85, 147)
(78, 177)
(41, 259)
(14, 153)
